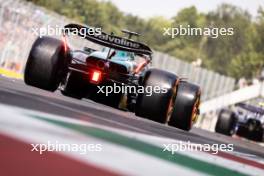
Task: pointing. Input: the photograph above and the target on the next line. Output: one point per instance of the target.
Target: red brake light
(96, 76)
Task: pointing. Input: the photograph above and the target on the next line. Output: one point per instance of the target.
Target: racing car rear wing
(251, 108)
(108, 40)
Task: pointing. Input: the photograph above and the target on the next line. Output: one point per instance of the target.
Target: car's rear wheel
(45, 64)
(186, 106)
(226, 122)
(257, 135)
(154, 105)
(255, 130)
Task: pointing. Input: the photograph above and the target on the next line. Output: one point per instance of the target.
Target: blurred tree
(222, 50)
(187, 47)
(248, 65)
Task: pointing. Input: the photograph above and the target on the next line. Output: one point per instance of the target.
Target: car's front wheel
(226, 122)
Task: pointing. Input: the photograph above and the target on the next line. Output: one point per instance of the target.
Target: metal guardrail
(17, 18)
(240, 95)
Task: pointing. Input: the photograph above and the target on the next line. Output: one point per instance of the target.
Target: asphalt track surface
(16, 93)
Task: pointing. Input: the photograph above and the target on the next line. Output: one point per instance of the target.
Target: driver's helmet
(121, 55)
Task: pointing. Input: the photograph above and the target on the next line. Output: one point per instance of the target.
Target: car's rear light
(96, 76)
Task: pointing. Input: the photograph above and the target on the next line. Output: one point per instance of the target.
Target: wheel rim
(172, 101)
(195, 111)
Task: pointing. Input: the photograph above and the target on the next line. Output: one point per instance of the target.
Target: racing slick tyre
(74, 86)
(256, 135)
(254, 130)
(226, 122)
(186, 106)
(45, 64)
(157, 106)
